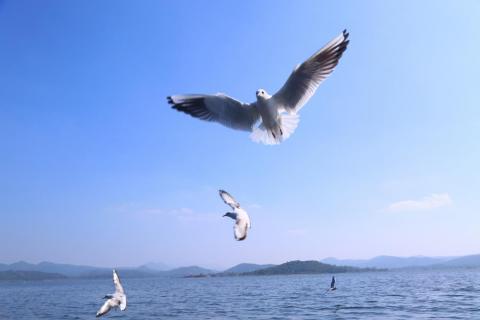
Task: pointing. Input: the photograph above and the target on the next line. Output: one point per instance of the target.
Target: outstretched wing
(305, 79)
(219, 108)
(116, 282)
(228, 199)
(104, 308)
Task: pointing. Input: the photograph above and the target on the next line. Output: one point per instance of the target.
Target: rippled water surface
(452, 294)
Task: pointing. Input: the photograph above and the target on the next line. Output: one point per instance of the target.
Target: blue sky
(97, 169)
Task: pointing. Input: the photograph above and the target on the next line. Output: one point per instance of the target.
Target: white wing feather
(219, 108)
(305, 79)
(228, 199)
(116, 282)
(105, 308)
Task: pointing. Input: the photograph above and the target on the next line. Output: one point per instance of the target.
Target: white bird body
(242, 224)
(242, 220)
(277, 115)
(267, 109)
(115, 300)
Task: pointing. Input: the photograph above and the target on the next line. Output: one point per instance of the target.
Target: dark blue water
(451, 294)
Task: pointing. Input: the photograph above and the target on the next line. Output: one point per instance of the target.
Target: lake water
(450, 294)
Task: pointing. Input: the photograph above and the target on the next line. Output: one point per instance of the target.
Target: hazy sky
(97, 169)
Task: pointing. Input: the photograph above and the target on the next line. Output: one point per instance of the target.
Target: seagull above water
(332, 284)
(276, 115)
(242, 220)
(118, 299)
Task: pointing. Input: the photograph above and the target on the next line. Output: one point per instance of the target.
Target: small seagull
(276, 115)
(332, 284)
(118, 299)
(242, 220)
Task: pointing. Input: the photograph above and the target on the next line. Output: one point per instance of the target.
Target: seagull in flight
(117, 299)
(271, 118)
(242, 220)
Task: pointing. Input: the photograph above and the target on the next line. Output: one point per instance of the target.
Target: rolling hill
(187, 271)
(11, 275)
(466, 261)
(247, 267)
(305, 267)
(389, 262)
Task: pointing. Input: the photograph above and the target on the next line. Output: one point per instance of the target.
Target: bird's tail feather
(262, 135)
(289, 123)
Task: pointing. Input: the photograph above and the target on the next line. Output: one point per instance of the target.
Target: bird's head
(262, 94)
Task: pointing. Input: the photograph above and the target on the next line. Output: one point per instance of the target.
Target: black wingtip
(345, 34)
(170, 100)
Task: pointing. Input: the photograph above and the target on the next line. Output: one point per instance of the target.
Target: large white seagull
(277, 115)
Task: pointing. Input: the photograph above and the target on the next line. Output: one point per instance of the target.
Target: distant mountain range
(29, 275)
(247, 267)
(466, 261)
(391, 262)
(49, 267)
(157, 266)
(47, 270)
(305, 267)
(75, 271)
(187, 271)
